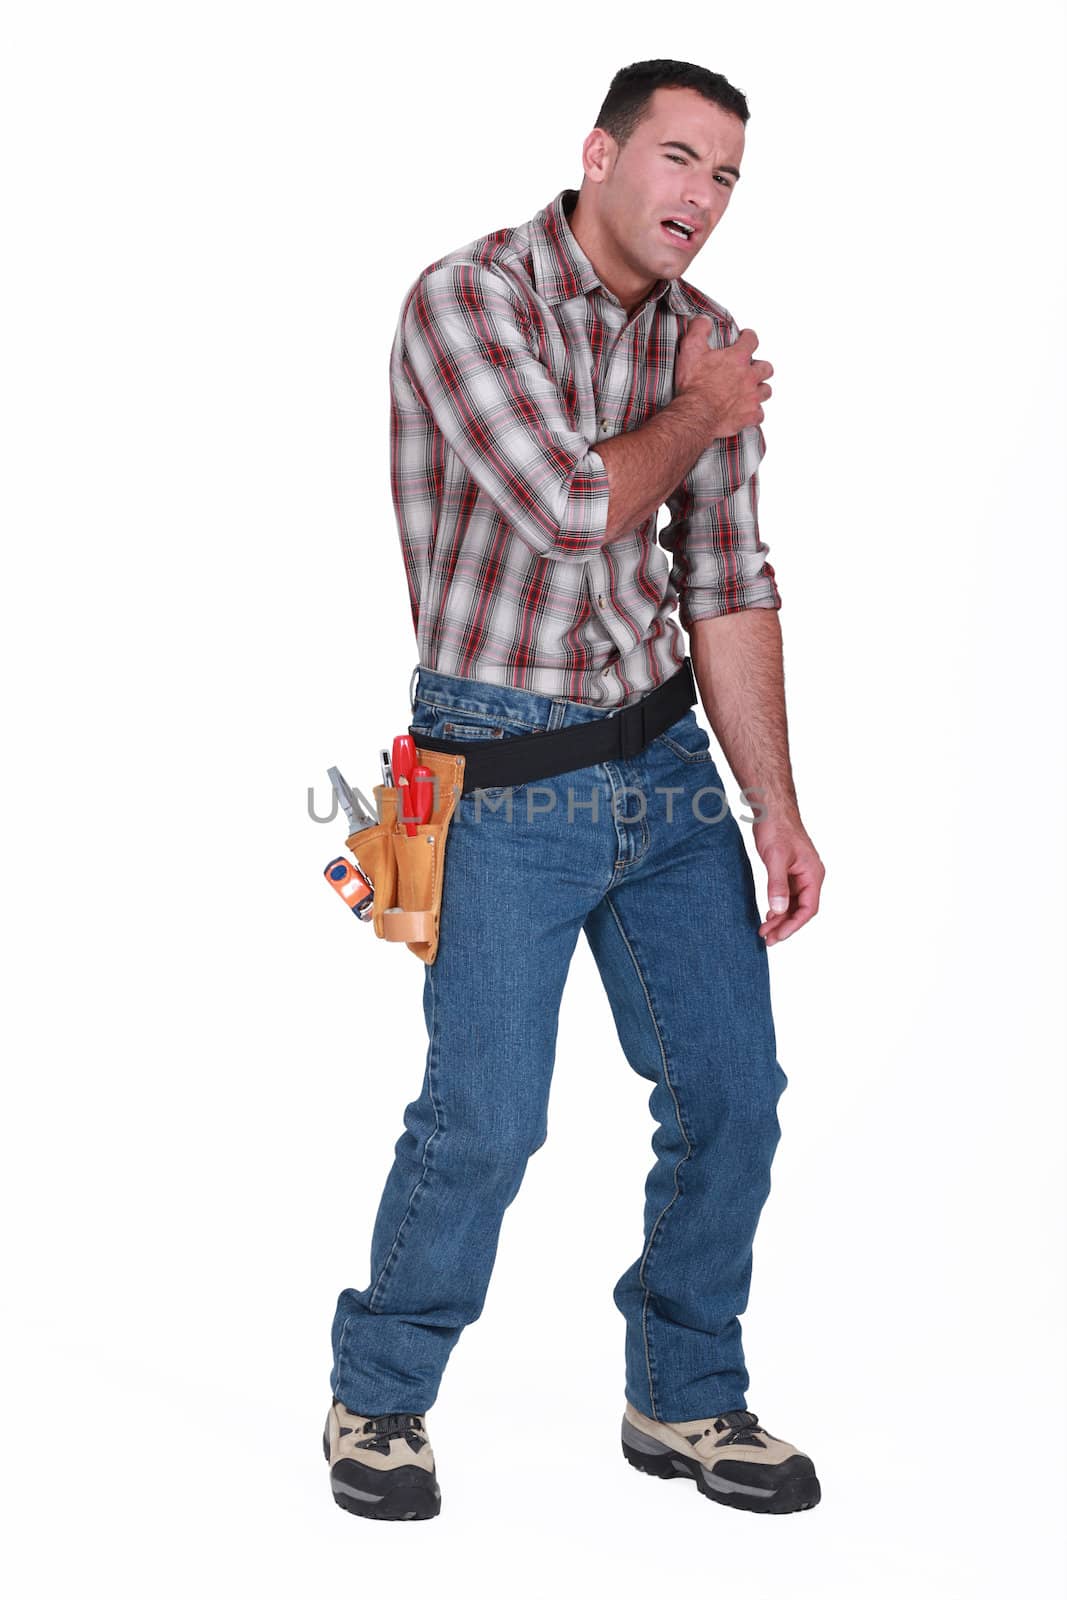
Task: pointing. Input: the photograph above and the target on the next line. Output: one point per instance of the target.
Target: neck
(628, 289)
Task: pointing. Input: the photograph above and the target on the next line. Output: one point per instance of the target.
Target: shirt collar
(561, 269)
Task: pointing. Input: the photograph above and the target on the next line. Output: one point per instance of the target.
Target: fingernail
(778, 904)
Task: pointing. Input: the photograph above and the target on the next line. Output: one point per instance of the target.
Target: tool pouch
(407, 871)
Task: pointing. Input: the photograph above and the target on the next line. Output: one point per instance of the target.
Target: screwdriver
(420, 789)
(422, 794)
(403, 757)
(403, 763)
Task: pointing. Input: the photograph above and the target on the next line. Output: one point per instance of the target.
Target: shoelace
(395, 1425)
(742, 1426)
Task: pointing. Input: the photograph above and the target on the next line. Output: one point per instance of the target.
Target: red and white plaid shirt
(511, 360)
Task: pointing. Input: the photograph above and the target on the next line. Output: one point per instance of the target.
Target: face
(629, 192)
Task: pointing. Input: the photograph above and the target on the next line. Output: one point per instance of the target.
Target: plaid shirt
(511, 359)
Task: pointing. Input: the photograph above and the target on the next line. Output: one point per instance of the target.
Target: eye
(727, 182)
(680, 159)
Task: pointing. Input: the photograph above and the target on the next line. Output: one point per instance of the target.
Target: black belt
(503, 763)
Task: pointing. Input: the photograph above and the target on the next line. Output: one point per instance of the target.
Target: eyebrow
(678, 145)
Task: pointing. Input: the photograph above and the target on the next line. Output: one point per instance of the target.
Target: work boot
(381, 1466)
(730, 1458)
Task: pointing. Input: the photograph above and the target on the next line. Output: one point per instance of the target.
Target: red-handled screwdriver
(403, 764)
(403, 757)
(422, 792)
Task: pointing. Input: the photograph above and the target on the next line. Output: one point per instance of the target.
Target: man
(552, 385)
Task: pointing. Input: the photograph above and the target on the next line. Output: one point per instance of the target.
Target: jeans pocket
(450, 728)
(461, 724)
(464, 725)
(688, 740)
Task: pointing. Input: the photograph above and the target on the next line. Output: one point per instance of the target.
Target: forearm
(739, 670)
(647, 465)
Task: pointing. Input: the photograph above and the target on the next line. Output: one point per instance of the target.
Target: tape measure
(351, 885)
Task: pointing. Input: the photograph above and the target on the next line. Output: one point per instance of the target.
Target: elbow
(562, 542)
(579, 528)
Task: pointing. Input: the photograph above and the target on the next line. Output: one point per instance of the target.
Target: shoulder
(702, 305)
(494, 267)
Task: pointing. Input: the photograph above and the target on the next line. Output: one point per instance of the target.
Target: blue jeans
(645, 857)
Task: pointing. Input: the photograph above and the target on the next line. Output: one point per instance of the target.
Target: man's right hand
(729, 383)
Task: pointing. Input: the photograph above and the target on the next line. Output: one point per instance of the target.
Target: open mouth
(678, 232)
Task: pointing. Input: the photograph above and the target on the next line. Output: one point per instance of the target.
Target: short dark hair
(630, 94)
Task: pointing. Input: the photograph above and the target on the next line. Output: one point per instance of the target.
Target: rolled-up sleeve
(467, 359)
(720, 562)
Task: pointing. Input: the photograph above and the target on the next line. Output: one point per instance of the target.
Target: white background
(212, 214)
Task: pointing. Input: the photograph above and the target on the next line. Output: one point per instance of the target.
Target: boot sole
(660, 1461)
(411, 1495)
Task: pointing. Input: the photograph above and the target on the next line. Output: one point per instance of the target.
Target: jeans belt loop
(632, 730)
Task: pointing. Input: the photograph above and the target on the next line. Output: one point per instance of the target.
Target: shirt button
(600, 597)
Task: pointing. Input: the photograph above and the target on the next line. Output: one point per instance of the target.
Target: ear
(599, 153)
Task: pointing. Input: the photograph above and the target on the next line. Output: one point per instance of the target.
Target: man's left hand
(794, 876)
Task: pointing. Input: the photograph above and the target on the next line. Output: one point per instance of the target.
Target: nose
(700, 197)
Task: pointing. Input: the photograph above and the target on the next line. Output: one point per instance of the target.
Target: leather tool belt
(489, 764)
(407, 870)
